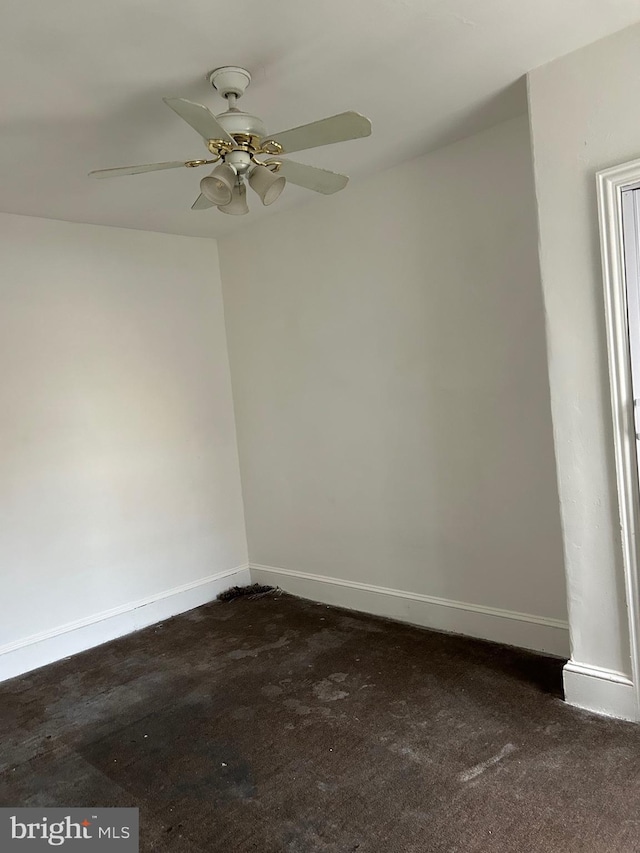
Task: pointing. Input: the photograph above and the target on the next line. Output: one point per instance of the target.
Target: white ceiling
(83, 82)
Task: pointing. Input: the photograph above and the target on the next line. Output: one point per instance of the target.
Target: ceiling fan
(236, 139)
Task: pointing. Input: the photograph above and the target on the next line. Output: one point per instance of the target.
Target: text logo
(27, 830)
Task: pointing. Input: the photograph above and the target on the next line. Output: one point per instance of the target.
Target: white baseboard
(36, 651)
(503, 626)
(603, 691)
(592, 688)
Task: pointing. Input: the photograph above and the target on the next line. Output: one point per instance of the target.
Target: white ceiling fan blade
(312, 178)
(134, 170)
(337, 128)
(200, 118)
(201, 203)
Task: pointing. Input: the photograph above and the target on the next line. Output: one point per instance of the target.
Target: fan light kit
(236, 140)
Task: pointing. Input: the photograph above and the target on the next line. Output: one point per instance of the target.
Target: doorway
(619, 216)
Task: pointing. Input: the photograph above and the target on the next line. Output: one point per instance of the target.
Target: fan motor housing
(235, 122)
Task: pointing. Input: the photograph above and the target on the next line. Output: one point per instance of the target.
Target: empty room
(319, 491)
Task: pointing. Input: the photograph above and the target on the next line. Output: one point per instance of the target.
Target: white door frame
(610, 185)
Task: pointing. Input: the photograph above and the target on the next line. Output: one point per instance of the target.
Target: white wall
(119, 475)
(390, 383)
(583, 120)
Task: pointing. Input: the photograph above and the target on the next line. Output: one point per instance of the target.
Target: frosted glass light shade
(218, 186)
(266, 183)
(238, 204)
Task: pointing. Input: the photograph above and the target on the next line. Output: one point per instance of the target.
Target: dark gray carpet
(283, 726)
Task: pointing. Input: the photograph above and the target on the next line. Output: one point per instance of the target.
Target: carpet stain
(297, 707)
(478, 769)
(326, 691)
(408, 752)
(239, 654)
